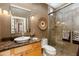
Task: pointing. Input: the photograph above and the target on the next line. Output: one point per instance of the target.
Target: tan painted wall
(4, 26)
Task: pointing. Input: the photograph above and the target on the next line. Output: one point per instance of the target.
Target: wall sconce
(32, 17)
(58, 22)
(5, 12)
(0, 11)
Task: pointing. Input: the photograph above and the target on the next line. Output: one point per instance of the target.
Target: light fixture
(58, 22)
(32, 17)
(5, 12)
(0, 11)
(51, 14)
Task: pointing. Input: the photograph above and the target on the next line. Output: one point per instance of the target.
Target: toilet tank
(44, 42)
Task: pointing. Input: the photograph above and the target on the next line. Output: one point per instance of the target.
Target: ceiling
(56, 5)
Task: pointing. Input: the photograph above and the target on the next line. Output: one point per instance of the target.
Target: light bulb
(58, 22)
(32, 17)
(5, 12)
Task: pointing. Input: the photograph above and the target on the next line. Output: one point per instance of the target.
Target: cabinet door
(34, 52)
(5, 53)
(20, 50)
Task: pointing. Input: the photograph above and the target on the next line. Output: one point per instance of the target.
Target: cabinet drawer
(5, 53)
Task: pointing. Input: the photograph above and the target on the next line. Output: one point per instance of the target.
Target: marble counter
(5, 45)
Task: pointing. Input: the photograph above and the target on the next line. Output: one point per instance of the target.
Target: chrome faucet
(22, 33)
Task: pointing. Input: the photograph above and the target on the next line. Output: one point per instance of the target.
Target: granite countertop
(6, 45)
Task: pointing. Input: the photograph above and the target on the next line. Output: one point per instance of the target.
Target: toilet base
(48, 54)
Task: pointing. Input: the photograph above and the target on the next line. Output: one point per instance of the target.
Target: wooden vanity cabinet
(33, 49)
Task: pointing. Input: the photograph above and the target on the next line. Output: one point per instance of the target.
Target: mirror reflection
(19, 20)
(18, 24)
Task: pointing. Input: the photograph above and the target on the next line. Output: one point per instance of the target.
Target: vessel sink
(22, 39)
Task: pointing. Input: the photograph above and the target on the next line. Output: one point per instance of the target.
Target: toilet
(47, 49)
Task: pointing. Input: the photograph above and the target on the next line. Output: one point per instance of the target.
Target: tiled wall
(70, 16)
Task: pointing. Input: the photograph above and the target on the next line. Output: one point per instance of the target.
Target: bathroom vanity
(10, 48)
(17, 24)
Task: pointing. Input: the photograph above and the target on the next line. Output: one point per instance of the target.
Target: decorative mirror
(18, 24)
(42, 24)
(19, 20)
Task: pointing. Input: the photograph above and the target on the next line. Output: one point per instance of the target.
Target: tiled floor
(66, 49)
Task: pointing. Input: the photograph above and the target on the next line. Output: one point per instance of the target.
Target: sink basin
(22, 39)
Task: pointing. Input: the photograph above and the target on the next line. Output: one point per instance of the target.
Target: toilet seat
(49, 50)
